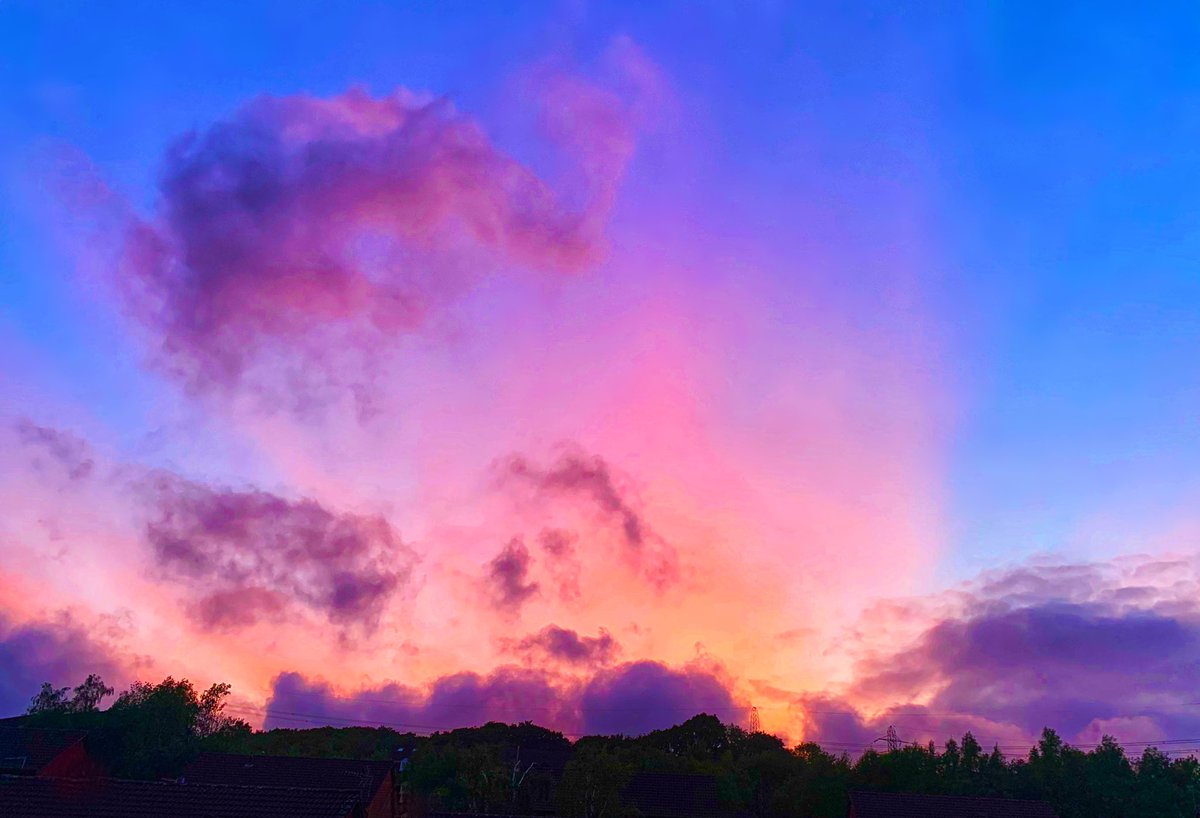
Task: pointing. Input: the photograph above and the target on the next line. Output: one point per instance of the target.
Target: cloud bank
(630, 699)
(1087, 649)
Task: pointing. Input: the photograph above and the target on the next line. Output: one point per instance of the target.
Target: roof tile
(29, 749)
(361, 776)
(31, 797)
(911, 805)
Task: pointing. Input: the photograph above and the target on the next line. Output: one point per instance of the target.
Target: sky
(604, 363)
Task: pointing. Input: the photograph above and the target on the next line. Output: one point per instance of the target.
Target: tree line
(152, 730)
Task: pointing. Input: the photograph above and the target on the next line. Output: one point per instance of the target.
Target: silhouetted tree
(150, 731)
(592, 783)
(85, 698)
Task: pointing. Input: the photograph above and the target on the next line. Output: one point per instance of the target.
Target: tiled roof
(363, 777)
(443, 814)
(29, 749)
(909, 805)
(673, 795)
(30, 797)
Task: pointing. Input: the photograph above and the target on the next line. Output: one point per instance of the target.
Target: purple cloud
(238, 608)
(642, 696)
(631, 699)
(248, 554)
(568, 646)
(56, 449)
(300, 216)
(508, 577)
(575, 474)
(459, 700)
(61, 652)
(1078, 648)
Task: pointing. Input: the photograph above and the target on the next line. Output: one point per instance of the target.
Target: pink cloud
(576, 474)
(559, 548)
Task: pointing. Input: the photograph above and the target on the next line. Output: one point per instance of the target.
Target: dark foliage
(373, 743)
(150, 731)
(757, 775)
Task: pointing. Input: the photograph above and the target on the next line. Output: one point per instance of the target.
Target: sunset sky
(599, 364)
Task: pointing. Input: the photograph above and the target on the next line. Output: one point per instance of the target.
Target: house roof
(443, 814)
(29, 749)
(31, 797)
(911, 805)
(362, 777)
(673, 795)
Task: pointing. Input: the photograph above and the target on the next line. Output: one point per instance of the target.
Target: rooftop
(29, 749)
(31, 797)
(911, 805)
(360, 776)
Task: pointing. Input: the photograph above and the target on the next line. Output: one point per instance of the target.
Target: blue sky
(1042, 164)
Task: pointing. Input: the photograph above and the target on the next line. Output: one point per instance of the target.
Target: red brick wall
(383, 805)
(73, 762)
